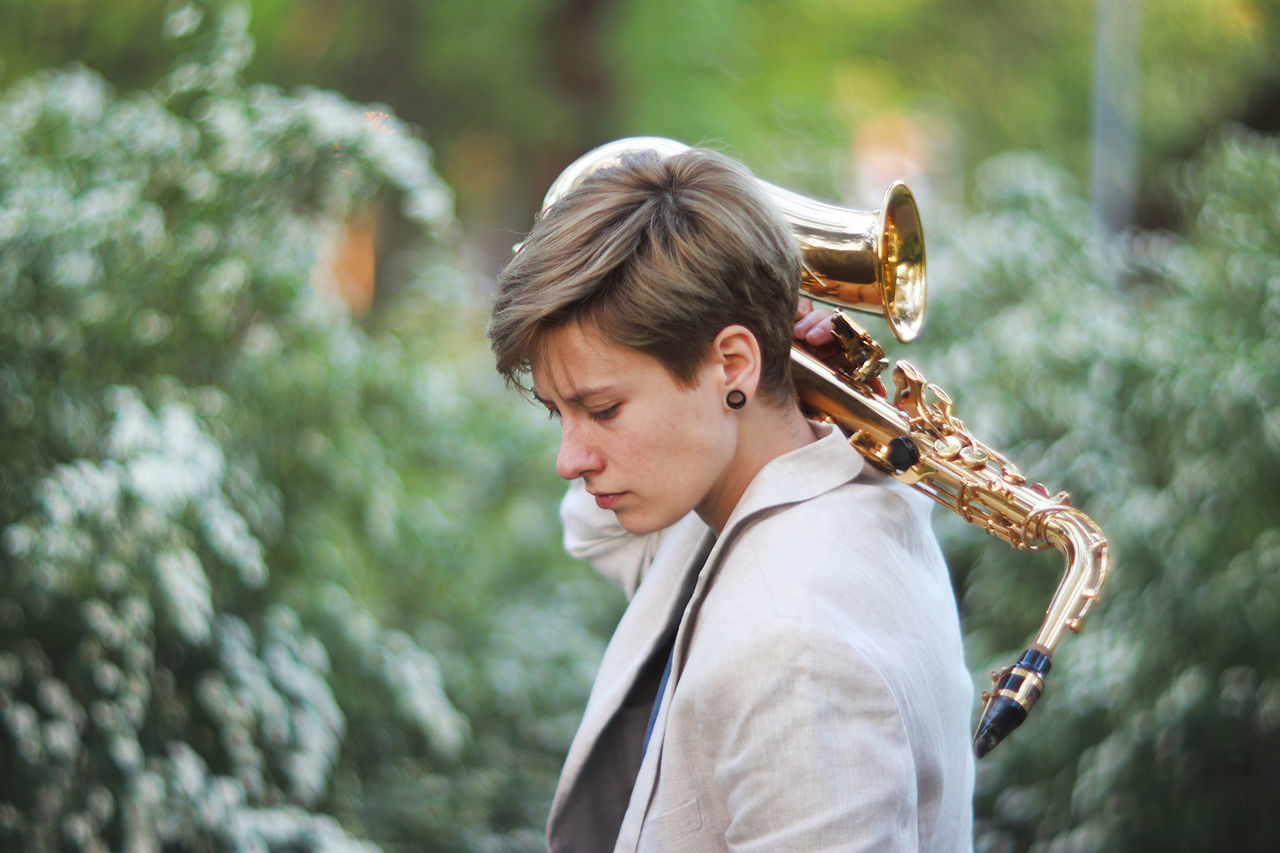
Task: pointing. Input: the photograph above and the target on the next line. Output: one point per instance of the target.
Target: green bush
(270, 579)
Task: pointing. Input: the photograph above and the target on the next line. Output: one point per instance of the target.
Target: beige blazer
(818, 697)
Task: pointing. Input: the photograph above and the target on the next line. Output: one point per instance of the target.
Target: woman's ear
(735, 352)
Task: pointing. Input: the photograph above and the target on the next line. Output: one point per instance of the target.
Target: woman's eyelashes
(552, 411)
(602, 414)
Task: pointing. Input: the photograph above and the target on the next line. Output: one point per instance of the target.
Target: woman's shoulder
(873, 507)
(858, 561)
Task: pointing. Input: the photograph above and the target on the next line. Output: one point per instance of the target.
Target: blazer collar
(792, 478)
(798, 476)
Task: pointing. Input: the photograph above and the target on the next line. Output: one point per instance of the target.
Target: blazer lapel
(599, 771)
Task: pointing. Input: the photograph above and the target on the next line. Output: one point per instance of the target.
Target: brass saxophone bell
(868, 261)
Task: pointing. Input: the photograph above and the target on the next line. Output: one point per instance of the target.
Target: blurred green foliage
(262, 567)
(274, 578)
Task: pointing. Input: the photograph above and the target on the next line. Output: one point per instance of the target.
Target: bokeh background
(279, 556)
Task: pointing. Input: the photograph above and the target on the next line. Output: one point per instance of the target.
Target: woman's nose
(576, 458)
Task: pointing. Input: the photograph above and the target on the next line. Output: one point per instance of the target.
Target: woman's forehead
(576, 360)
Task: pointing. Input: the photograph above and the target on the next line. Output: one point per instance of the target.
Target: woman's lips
(608, 501)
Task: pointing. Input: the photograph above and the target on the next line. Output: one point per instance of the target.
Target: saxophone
(873, 262)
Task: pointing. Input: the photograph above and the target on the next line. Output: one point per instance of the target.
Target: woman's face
(647, 448)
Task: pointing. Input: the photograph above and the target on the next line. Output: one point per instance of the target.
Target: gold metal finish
(874, 262)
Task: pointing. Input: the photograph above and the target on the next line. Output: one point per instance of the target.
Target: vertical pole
(1114, 166)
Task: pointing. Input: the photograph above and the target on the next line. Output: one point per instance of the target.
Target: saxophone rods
(874, 262)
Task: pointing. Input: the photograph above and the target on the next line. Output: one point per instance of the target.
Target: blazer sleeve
(810, 748)
(594, 535)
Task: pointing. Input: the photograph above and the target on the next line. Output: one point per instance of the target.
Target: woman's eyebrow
(585, 394)
(578, 399)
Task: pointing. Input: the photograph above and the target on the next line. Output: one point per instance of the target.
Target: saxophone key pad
(947, 447)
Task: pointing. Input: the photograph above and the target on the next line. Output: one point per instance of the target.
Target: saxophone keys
(974, 457)
(947, 447)
(902, 453)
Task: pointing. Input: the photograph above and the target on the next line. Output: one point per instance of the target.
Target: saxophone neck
(1088, 564)
(863, 357)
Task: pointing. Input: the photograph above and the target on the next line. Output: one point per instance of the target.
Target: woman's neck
(764, 433)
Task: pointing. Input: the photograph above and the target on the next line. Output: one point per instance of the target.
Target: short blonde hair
(660, 254)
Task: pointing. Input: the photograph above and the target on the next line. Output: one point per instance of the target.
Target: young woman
(788, 674)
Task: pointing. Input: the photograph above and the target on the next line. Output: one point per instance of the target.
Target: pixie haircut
(659, 254)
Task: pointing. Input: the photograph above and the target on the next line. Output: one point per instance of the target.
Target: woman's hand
(813, 325)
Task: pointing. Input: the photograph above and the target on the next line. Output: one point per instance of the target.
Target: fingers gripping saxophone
(874, 262)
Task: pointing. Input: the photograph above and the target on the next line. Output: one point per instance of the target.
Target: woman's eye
(605, 414)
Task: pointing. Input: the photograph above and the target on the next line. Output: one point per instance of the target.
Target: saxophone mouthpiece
(1001, 716)
(1016, 690)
